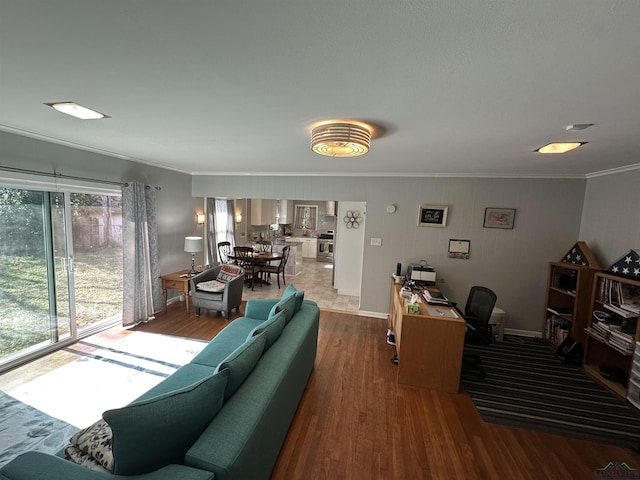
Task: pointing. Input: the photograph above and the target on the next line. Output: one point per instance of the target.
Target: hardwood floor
(355, 422)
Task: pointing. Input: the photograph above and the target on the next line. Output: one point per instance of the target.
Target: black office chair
(477, 313)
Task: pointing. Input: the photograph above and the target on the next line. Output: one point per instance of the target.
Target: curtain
(141, 269)
(220, 226)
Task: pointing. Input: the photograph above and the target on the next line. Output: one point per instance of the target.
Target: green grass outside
(24, 304)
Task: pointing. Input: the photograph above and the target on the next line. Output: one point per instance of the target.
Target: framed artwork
(459, 248)
(499, 217)
(432, 216)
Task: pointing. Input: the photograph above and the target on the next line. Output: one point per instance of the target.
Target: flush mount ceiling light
(577, 127)
(77, 110)
(341, 139)
(559, 147)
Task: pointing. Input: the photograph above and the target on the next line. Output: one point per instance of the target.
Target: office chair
(477, 313)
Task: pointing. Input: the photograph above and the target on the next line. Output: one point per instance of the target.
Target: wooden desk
(429, 347)
(174, 281)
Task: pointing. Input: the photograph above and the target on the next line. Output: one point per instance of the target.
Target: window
(306, 217)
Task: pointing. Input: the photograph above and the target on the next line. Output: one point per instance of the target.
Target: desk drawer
(174, 284)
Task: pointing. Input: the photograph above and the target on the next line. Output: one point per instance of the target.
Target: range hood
(331, 208)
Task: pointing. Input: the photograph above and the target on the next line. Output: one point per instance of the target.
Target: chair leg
(474, 361)
(198, 312)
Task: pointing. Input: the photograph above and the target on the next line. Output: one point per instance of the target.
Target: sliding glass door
(61, 268)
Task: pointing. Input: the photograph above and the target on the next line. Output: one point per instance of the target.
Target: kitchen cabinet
(294, 263)
(263, 212)
(309, 245)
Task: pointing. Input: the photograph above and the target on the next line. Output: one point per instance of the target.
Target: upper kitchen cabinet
(263, 212)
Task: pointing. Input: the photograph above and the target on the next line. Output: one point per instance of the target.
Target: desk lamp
(193, 245)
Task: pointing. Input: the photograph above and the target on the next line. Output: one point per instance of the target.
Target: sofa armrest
(38, 465)
(260, 308)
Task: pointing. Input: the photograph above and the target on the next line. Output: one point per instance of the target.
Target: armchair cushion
(225, 275)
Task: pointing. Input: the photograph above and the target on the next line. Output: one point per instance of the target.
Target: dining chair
(278, 269)
(244, 258)
(224, 249)
(265, 246)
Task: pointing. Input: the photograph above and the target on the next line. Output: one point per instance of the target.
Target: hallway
(315, 280)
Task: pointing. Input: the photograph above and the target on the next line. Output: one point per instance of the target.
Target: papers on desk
(442, 312)
(434, 296)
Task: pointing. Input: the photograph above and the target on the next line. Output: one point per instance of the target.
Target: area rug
(109, 377)
(24, 428)
(527, 386)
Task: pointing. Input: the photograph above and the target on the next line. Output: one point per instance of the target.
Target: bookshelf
(567, 306)
(612, 332)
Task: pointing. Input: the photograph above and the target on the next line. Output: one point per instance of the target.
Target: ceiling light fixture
(341, 139)
(77, 110)
(559, 147)
(577, 127)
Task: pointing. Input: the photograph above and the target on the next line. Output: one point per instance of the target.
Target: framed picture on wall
(499, 217)
(432, 216)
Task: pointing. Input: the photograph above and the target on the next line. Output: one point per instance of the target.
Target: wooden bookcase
(602, 351)
(567, 306)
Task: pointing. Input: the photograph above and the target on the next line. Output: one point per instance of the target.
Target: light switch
(376, 242)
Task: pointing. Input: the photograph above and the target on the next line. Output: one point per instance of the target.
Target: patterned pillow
(228, 273)
(92, 445)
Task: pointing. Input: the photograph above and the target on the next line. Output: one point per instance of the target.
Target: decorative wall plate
(352, 219)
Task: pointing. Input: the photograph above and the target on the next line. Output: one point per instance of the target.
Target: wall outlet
(376, 242)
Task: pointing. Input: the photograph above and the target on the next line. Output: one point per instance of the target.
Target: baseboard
(349, 293)
(522, 333)
(364, 313)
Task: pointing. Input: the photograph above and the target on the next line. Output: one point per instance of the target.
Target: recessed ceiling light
(559, 147)
(77, 110)
(578, 126)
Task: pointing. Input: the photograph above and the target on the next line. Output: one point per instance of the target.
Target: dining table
(257, 258)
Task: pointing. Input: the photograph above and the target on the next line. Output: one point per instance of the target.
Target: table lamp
(193, 245)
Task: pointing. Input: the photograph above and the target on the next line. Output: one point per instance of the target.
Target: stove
(325, 247)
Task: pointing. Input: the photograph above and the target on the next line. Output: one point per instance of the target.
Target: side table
(176, 281)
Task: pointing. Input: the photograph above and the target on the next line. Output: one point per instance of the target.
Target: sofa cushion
(272, 328)
(150, 434)
(299, 294)
(185, 376)
(226, 341)
(241, 362)
(287, 305)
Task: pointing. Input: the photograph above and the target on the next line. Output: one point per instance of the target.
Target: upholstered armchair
(220, 289)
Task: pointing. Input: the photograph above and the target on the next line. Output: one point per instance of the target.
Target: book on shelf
(565, 313)
(625, 313)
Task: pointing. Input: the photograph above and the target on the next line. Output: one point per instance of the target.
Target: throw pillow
(272, 328)
(92, 444)
(241, 362)
(228, 272)
(299, 294)
(149, 434)
(286, 304)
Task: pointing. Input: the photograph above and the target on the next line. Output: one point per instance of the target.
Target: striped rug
(527, 387)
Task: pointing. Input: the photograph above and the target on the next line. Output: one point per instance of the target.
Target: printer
(422, 274)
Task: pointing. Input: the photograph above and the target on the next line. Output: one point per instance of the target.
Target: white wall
(349, 246)
(511, 262)
(610, 219)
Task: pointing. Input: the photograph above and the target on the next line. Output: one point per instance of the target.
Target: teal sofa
(224, 415)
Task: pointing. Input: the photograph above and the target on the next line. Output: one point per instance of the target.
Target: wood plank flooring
(355, 422)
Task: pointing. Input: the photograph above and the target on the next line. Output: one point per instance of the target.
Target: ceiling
(458, 87)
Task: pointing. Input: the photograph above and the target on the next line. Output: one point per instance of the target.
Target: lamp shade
(193, 244)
